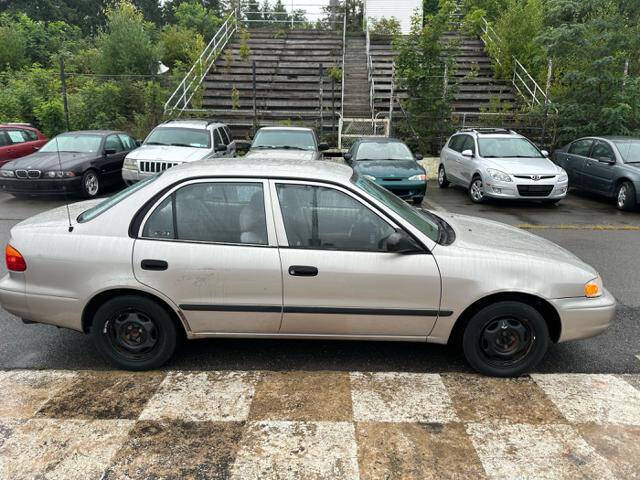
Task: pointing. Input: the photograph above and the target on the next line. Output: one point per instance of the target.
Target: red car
(18, 140)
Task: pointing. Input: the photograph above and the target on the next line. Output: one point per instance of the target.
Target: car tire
(443, 182)
(417, 200)
(506, 339)
(91, 185)
(476, 190)
(625, 196)
(134, 332)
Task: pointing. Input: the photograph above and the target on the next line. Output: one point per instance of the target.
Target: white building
(402, 10)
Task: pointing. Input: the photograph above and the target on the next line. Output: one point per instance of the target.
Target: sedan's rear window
(102, 207)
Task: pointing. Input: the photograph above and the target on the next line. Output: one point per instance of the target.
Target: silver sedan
(291, 249)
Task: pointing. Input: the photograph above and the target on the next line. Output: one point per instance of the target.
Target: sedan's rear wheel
(625, 196)
(134, 333)
(505, 339)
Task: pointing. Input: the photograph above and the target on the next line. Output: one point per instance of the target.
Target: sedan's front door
(338, 278)
(210, 247)
(599, 171)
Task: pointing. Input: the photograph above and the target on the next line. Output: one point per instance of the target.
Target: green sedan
(389, 163)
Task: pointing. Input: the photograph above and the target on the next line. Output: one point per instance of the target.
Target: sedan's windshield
(421, 222)
(287, 139)
(629, 150)
(180, 137)
(383, 151)
(505, 147)
(69, 142)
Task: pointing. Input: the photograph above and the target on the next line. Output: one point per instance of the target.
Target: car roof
(379, 140)
(306, 129)
(94, 132)
(191, 123)
(618, 137)
(17, 125)
(321, 170)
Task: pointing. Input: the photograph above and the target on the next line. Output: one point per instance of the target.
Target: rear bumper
(41, 186)
(584, 317)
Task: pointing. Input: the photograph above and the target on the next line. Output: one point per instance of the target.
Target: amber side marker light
(593, 288)
(14, 259)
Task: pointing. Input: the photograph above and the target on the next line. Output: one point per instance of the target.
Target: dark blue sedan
(389, 163)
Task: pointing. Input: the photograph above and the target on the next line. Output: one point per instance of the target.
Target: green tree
(125, 46)
(13, 53)
(194, 16)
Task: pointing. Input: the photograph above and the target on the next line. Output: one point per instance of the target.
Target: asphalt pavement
(588, 226)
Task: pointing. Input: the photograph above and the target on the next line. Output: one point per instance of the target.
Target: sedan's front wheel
(505, 339)
(134, 332)
(476, 190)
(90, 184)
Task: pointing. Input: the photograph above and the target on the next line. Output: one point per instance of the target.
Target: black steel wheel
(505, 339)
(134, 332)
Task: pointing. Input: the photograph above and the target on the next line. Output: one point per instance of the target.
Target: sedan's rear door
(209, 245)
(575, 159)
(338, 279)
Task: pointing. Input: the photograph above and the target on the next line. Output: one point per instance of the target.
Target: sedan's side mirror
(400, 242)
(419, 156)
(221, 148)
(109, 151)
(544, 152)
(348, 157)
(467, 153)
(138, 142)
(323, 146)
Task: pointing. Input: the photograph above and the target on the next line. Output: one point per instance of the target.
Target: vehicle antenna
(66, 200)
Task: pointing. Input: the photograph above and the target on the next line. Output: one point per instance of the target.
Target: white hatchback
(499, 163)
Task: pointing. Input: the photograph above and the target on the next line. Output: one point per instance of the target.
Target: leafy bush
(193, 16)
(385, 26)
(179, 45)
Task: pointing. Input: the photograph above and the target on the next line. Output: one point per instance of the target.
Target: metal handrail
(344, 50)
(187, 88)
(527, 83)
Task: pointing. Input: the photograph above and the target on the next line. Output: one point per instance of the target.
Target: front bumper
(405, 189)
(584, 317)
(523, 189)
(41, 186)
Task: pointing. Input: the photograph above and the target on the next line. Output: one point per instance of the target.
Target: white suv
(499, 163)
(177, 141)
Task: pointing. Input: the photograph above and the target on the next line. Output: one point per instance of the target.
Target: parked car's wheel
(90, 184)
(626, 196)
(134, 332)
(476, 190)
(505, 339)
(417, 200)
(442, 178)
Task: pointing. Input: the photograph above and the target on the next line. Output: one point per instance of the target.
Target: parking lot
(588, 226)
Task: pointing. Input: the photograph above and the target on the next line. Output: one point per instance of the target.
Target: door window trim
(603, 142)
(157, 200)
(281, 233)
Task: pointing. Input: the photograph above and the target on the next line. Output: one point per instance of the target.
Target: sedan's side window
(17, 136)
(214, 212)
(324, 218)
(128, 142)
(581, 147)
(113, 143)
(4, 140)
(456, 143)
(603, 151)
(30, 135)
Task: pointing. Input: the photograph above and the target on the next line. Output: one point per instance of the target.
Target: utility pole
(63, 85)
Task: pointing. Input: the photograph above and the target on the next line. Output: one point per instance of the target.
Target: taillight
(15, 261)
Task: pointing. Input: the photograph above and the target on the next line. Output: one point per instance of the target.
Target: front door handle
(303, 271)
(157, 265)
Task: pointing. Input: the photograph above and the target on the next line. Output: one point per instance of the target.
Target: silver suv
(177, 141)
(499, 163)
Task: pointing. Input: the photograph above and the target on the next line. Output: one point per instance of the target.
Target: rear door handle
(303, 271)
(157, 265)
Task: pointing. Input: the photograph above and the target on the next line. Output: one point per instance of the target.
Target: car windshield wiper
(289, 147)
(180, 145)
(155, 143)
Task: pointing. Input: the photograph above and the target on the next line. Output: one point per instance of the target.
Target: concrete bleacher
(287, 80)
